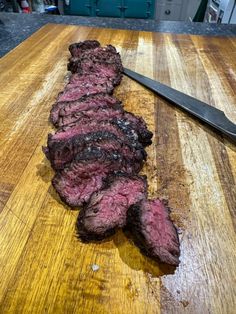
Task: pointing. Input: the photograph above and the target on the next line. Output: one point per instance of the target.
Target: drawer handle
(167, 12)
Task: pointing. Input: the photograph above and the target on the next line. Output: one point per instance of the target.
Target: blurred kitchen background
(211, 11)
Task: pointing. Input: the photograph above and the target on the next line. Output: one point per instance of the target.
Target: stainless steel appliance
(221, 11)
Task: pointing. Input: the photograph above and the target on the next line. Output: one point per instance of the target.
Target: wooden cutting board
(44, 268)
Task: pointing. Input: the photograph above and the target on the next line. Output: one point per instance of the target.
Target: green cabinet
(111, 8)
(76, 7)
(138, 9)
(105, 8)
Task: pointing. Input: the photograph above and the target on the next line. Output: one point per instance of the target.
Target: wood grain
(44, 267)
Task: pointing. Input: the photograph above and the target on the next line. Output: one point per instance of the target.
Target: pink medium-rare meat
(104, 61)
(84, 103)
(84, 176)
(110, 71)
(98, 151)
(109, 113)
(96, 113)
(62, 152)
(119, 127)
(89, 80)
(64, 145)
(107, 209)
(153, 231)
(107, 55)
(76, 93)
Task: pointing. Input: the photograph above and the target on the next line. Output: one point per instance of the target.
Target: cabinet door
(168, 12)
(82, 7)
(110, 8)
(138, 8)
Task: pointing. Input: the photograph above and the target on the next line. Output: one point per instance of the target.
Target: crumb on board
(95, 267)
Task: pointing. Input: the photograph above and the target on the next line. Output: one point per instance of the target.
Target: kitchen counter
(15, 27)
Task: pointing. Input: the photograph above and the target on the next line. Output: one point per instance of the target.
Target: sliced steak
(62, 152)
(100, 55)
(104, 61)
(107, 208)
(77, 48)
(110, 71)
(96, 113)
(84, 176)
(85, 103)
(89, 80)
(109, 113)
(153, 231)
(140, 126)
(76, 93)
(117, 126)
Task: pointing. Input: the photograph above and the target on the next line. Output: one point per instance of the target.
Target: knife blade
(208, 114)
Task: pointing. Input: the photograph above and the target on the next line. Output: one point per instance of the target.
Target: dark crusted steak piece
(104, 61)
(85, 103)
(117, 126)
(153, 231)
(77, 48)
(76, 183)
(139, 125)
(108, 207)
(62, 152)
(109, 113)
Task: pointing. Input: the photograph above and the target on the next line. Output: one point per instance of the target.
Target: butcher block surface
(44, 267)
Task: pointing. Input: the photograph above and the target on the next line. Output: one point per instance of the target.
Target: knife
(210, 115)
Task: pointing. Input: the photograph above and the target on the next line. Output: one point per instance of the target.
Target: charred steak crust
(105, 112)
(77, 48)
(84, 176)
(118, 126)
(103, 60)
(60, 153)
(89, 228)
(138, 123)
(135, 227)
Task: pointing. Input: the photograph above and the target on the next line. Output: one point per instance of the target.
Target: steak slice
(109, 113)
(84, 176)
(110, 71)
(100, 55)
(75, 93)
(104, 61)
(139, 125)
(77, 48)
(77, 80)
(107, 208)
(85, 103)
(117, 126)
(96, 113)
(153, 231)
(62, 152)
